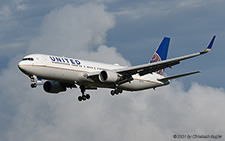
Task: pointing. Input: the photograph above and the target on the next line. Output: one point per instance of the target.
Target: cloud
(78, 32)
(71, 29)
(5, 13)
(31, 114)
(140, 10)
(156, 115)
(194, 3)
(105, 54)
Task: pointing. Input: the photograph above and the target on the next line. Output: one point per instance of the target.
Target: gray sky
(123, 32)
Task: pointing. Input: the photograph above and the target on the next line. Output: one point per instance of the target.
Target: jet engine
(108, 76)
(53, 87)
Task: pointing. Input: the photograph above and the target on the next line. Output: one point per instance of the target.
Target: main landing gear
(84, 96)
(116, 92)
(33, 79)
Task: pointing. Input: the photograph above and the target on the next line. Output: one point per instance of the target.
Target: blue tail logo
(161, 53)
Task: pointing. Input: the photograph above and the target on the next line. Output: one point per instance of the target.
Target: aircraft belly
(137, 85)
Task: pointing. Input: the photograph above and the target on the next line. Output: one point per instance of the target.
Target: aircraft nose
(21, 66)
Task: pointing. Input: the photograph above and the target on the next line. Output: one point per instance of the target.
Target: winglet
(209, 47)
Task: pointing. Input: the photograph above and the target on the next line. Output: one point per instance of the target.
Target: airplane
(61, 73)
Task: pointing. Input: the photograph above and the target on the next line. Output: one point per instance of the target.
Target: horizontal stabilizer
(177, 76)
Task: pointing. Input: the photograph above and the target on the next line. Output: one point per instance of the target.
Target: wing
(126, 73)
(153, 67)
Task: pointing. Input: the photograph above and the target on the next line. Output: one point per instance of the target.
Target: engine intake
(108, 76)
(53, 87)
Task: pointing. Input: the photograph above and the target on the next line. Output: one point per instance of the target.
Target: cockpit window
(29, 59)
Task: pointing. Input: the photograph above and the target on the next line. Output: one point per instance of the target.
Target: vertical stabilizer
(161, 53)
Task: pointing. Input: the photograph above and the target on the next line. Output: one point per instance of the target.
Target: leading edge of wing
(152, 67)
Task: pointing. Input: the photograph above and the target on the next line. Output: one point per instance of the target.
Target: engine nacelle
(53, 87)
(108, 76)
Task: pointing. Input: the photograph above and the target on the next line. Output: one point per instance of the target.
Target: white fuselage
(69, 70)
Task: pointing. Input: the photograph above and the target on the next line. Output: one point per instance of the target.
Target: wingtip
(166, 37)
(209, 47)
(211, 43)
(200, 71)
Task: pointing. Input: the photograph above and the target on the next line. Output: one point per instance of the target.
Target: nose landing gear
(33, 79)
(33, 85)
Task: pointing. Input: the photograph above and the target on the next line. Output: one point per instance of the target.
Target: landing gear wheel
(112, 92)
(87, 96)
(84, 97)
(33, 85)
(80, 98)
(116, 92)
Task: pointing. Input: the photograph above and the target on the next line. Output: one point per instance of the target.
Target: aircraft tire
(87, 96)
(80, 98)
(33, 85)
(84, 97)
(112, 92)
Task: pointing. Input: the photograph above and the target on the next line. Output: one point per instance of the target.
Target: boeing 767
(64, 72)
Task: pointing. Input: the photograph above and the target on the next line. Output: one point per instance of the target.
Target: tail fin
(161, 53)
